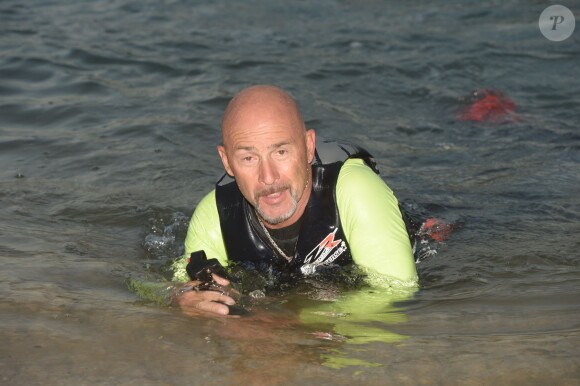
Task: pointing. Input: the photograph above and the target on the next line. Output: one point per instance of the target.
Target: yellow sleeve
(361, 316)
(373, 225)
(204, 233)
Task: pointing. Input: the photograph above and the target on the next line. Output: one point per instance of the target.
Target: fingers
(212, 296)
(214, 308)
(225, 283)
(207, 301)
(210, 309)
(220, 280)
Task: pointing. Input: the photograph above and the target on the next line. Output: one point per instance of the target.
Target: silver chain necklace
(270, 239)
(276, 247)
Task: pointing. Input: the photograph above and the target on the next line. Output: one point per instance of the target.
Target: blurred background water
(109, 117)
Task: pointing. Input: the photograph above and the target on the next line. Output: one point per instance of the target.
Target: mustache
(272, 189)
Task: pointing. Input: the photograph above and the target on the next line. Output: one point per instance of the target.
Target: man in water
(294, 205)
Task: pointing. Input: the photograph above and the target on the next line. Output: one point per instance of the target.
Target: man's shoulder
(358, 184)
(207, 204)
(355, 171)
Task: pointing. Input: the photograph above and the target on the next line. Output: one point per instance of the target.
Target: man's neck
(287, 232)
(285, 238)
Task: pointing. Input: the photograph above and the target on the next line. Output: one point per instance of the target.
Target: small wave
(18, 114)
(164, 242)
(90, 59)
(26, 69)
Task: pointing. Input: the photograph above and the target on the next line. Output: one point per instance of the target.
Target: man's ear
(310, 144)
(222, 152)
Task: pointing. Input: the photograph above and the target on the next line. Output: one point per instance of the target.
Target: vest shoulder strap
(329, 151)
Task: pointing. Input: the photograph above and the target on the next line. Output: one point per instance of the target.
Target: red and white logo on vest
(323, 254)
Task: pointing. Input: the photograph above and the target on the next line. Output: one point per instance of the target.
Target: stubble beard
(280, 188)
(283, 217)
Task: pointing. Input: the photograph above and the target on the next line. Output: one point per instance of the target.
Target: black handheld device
(200, 268)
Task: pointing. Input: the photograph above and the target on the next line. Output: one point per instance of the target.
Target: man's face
(269, 154)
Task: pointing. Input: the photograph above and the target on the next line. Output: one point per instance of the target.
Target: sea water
(109, 118)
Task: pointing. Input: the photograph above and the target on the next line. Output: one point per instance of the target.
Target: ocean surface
(109, 118)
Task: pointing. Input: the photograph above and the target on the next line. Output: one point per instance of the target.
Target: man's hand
(195, 303)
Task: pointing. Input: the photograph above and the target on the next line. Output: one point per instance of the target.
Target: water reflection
(320, 322)
(357, 318)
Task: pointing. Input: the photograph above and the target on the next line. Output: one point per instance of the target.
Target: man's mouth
(273, 198)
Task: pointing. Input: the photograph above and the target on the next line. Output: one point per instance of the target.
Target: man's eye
(282, 152)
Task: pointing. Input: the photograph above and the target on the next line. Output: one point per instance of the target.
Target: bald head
(260, 103)
(267, 149)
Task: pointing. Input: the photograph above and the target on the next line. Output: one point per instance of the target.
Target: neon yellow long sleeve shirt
(369, 215)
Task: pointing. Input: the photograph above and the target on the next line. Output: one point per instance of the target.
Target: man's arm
(204, 233)
(374, 228)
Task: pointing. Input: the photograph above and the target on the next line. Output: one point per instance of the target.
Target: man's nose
(268, 172)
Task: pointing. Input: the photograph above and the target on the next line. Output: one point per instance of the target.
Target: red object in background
(436, 229)
(490, 106)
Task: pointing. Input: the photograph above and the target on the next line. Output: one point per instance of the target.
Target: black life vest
(321, 240)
